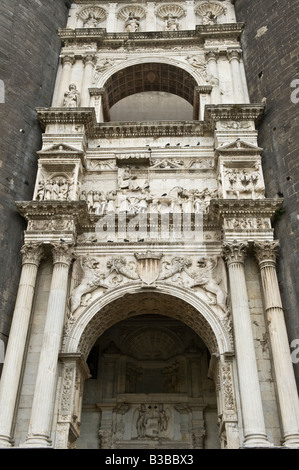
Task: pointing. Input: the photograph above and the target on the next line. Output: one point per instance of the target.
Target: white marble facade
(148, 313)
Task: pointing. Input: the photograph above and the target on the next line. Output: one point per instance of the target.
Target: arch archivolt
(132, 299)
(185, 65)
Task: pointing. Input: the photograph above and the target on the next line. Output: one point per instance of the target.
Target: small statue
(172, 23)
(132, 24)
(91, 21)
(71, 97)
(209, 18)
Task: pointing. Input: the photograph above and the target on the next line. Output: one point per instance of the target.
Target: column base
(257, 441)
(5, 442)
(37, 441)
(291, 441)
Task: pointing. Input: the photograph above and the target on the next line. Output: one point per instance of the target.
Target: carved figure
(89, 277)
(209, 18)
(151, 420)
(211, 276)
(119, 265)
(132, 24)
(177, 265)
(171, 23)
(140, 421)
(40, 195)
(71, 97)
(91, 21)
(111, 202)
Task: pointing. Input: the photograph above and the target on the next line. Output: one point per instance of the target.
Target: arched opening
(150, 91)
(152, 106)
(150, 385)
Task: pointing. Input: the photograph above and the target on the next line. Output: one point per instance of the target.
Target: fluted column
(213, 75)
(234, 56)
(45, 388)
(266, 253)
(89, 63)
(250, 395)
(32, 255)
(66, 75)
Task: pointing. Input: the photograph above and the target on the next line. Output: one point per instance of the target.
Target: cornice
(85, 116)
(50, 209)
(222, 208)
(233, 112)
(149, 38)
(148, 129)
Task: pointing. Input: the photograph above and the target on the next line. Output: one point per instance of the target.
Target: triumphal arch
(148, 314)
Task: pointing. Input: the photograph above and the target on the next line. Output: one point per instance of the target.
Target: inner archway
(173, 85)
(149, 387)
(152, 106)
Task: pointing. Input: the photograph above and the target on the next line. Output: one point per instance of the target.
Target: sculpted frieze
(211, 276)
(91, 273)
(241, 224)
(134, 197)
(246, 183)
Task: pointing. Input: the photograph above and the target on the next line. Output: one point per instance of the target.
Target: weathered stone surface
(271, 62)
(29, 57)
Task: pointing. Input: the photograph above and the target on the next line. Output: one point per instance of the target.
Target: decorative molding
(85, 116)
(243, 208)
(234, 252)
(32, 253)
(266, 251)
(148, 39)
(62, 253)
(233, 112)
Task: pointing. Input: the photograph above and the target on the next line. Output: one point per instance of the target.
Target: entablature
(102, 38)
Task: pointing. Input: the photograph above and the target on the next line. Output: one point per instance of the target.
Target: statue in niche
(171, 23)
(209, 18)
(71, 97)
(211, 276)
(55, 189)
(91, 21)
(131, 24)
(245, 183)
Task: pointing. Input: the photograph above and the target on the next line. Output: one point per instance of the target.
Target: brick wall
(29, 51)
(271, 54)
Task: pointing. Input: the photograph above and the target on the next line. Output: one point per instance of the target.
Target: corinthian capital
(62, 253)
(234, 252)
(266, 251)
(68, 59)
(234, 54)
(32, 253)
